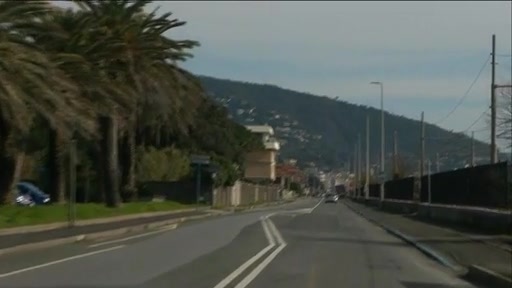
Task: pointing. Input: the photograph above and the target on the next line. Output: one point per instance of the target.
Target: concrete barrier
(399, 206)
(483, 219)
(374, 202)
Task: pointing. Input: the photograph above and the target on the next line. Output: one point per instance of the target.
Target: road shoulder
(447, 246)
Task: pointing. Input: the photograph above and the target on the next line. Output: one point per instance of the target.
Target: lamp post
(382, 153)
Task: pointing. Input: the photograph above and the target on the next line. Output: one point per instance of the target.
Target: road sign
(200, 159)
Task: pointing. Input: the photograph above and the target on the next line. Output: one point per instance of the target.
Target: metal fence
(483, 186)
(374, 190)
(401, 189)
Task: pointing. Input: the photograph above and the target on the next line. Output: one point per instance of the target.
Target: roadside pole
(72, 184)
(422, 150)
(429, 190)
(367, 158)
(199, 161)
(198, 182)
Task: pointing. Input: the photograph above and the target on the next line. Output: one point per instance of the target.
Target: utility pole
(355, 170)
(429, 189)
(382, 144)
(437, 163)
(367, 182)
(395, 155)
(472, 149)
(359, 166)
(422, 155)
(494, 153)
(382, 177)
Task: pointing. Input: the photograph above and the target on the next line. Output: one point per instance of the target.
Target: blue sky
(426, 53)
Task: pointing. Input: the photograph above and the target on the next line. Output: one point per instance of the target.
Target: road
(303, 244)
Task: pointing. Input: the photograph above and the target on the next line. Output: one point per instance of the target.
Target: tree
(146, 61)
(30, 84)
(102, 72)
(504, 115)
(65, 37)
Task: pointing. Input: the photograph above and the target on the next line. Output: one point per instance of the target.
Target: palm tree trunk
(10, 176)
(99, 193)
(18, 167)
(158, 137)
(127, 161)
(109, 148)
(56, 167)
(6, 176)
(7, 163)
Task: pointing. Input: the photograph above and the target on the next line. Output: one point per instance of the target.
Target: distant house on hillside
(261, 164)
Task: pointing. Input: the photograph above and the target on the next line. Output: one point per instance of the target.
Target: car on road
(331, 198)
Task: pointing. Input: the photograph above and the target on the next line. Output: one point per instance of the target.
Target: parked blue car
(29, 195)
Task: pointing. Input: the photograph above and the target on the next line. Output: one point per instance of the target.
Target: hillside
(319, 129)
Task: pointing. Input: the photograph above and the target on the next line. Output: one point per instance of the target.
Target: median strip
(38, 240)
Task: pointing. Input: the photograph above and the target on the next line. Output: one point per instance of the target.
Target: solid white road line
(319, 202)
(60, 261)
(254, 273)
(275, 232)
(168, 228)
(226, 281)
(268, 233)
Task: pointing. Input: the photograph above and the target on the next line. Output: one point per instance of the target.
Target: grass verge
(14, 216)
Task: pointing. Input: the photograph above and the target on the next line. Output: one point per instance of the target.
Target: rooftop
(265, 129)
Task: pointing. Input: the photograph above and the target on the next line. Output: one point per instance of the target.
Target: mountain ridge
(320, 129)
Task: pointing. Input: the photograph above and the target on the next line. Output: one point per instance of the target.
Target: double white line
(273, 236)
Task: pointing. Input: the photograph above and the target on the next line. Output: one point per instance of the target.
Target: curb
(54, 226)
(102, 234)
(486, 277)
(422, 248)
(256, 208)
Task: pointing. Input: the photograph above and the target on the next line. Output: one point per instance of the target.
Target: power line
(480, 130)
(467, 92)
(457, 134)
(476, 121)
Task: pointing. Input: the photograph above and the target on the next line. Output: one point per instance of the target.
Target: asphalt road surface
(303, 244)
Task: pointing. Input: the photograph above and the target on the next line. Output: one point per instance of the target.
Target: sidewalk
(453, 245)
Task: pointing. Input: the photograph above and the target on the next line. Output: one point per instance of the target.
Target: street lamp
(381, 137)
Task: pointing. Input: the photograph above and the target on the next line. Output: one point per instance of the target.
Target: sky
(427, 54)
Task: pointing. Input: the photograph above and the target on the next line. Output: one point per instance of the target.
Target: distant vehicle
(30, 195)
(331, 198)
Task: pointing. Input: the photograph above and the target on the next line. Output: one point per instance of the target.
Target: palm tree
(69, 39)
(146, 57)
(30, 84)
